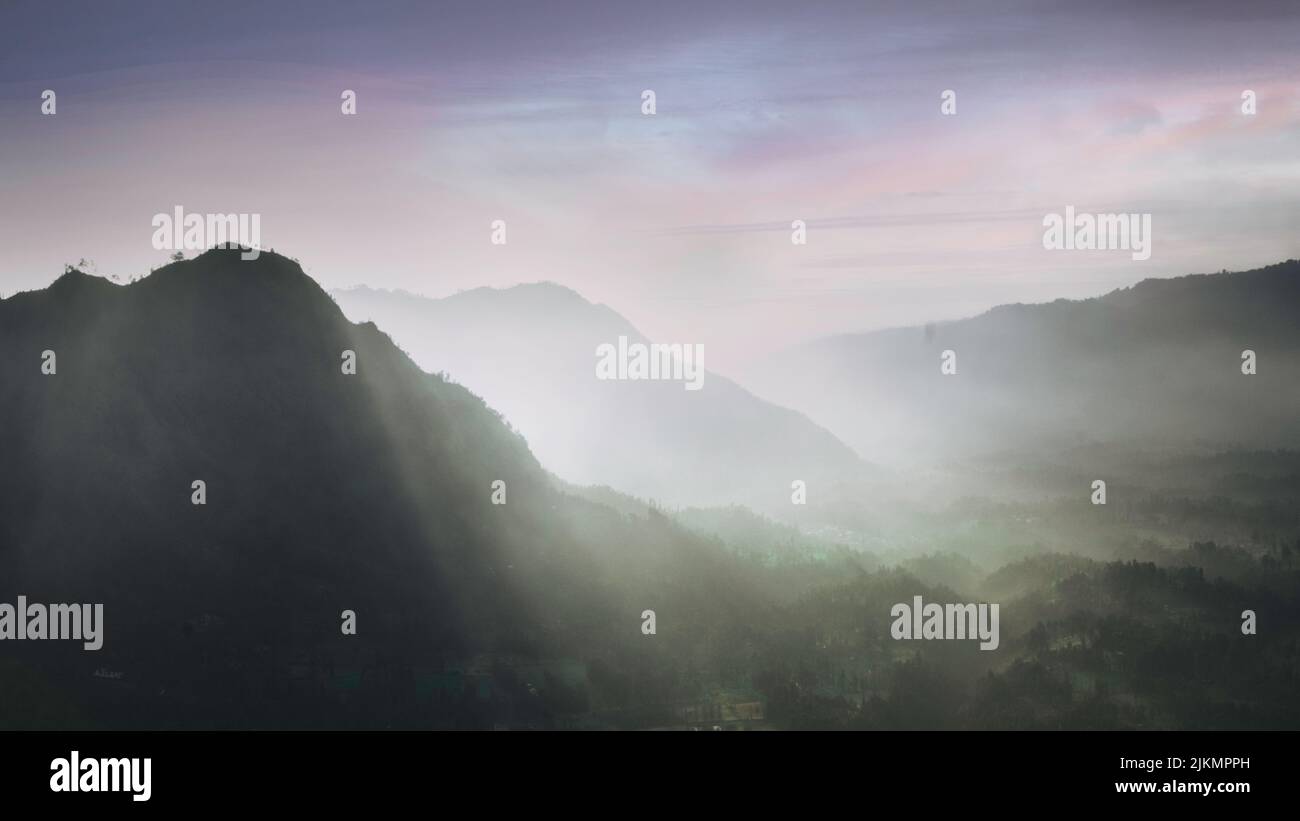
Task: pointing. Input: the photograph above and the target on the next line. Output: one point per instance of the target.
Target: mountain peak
(73, 285)
(75, 278)
(222, 274)
(265, 261)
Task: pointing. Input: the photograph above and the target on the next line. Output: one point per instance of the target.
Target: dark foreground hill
(325, 492)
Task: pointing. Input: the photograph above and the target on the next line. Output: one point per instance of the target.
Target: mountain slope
(530, 352)
(1158, 363)
(325, 492)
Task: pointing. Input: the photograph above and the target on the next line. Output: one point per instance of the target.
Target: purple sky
(767, 113)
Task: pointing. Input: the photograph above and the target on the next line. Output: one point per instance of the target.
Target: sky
(766, 113)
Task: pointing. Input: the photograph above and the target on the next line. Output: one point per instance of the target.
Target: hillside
(325, 492)
(372, 492)
(529, 351)
(1158, 364)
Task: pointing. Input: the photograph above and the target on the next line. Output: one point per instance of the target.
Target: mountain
(325, 492)
(530, 352)
(1157, 365)
(329, 492)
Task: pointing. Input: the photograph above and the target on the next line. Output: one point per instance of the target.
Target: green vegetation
(372, 493)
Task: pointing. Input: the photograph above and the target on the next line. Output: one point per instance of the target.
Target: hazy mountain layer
(530, 352)
(1158, 364)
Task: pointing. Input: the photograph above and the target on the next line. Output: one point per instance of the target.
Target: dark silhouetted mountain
(325, 492)
(530, 352)
(1158, 364)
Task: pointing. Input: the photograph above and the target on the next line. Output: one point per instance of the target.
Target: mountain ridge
(323, 492)
(1160, 359)
(535, 362)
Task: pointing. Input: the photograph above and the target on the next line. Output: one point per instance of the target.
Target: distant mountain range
(530, 352)
(1156, 364)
